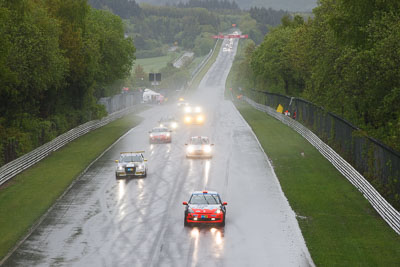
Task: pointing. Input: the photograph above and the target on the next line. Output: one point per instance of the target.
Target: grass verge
(155, 64)
(339, 225)
(30, 194)
(196, 61)
(196, 81)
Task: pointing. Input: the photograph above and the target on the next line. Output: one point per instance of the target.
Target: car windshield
(200, 141)
(131, 158)
(166, 119)
(159, 130)
(204, 199)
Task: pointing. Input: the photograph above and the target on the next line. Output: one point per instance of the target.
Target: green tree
(140, 76)
(203, 44)
(33, 65)
(272, 61)
(249, 26)
(116, 53)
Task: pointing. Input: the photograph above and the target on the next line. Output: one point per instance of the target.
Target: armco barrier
(22, 163)
(203, 62)
(385, 210)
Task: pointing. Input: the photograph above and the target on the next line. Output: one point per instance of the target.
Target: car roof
(167, 118)
(197, 137)
(165, 128)
(132, 153)
(203, 193)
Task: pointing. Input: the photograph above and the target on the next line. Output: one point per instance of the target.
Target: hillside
(290, 5)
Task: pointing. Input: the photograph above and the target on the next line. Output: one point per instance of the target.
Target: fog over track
(102, 221)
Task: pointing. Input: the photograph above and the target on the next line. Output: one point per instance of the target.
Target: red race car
(205, 207)
(160, 135)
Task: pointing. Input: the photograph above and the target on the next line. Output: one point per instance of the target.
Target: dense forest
(210, 4)
(56, 56)
(345, 59)
(123, 8)
(192, 27)
(289, 5)
(190, 24)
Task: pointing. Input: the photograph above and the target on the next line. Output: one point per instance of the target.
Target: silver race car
(199, 147)
(131, 164)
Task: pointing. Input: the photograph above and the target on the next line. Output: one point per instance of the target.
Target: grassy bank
(155, 64)
(30, 194)
(196, 61)
(196, 81)
(339, 225)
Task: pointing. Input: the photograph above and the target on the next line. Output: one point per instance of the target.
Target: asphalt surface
(102, 221)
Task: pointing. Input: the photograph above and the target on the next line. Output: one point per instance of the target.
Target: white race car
(199, 147)
(131, 164)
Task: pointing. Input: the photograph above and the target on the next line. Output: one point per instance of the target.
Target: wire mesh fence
(120, 101)
(378, 163)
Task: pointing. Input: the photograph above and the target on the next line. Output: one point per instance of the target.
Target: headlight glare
(188, 119)
(207, 149)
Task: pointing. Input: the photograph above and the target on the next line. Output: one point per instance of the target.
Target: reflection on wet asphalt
(102, 221)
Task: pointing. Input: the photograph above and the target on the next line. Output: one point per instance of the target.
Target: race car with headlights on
(205, 207)
(182, 103)
(160, 135)
(170, 122)
(131, 164)
(193, 115)
(199, 147)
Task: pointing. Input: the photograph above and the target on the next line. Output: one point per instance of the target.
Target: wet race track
(102, 221)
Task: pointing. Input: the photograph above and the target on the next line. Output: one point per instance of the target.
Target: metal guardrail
(203, 62)
(11, 169)
(385, 210)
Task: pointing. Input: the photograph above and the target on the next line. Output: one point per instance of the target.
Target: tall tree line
(153, 27)
(210, 4)
(266, 17)
(55, 56)
(290, 5)
(123, 8)
(345, 59)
